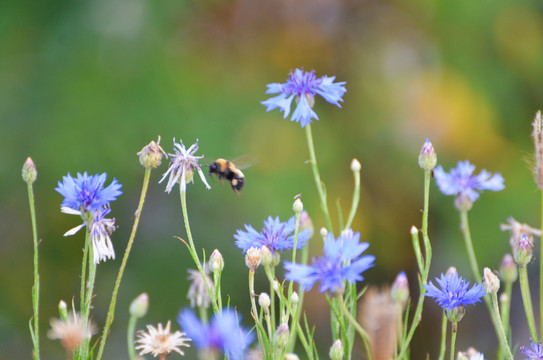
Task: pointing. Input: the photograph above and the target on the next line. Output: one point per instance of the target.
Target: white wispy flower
(71, 332)
(182, 166)
(160, 342)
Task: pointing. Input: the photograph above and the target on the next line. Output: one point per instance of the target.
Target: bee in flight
(226, 170)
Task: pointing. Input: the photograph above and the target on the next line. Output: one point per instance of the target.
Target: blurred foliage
(85, 85)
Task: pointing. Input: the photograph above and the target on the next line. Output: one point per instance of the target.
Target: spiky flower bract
(182, 166)
(223, 333)
(87, 193)
(340, 262)
(275, 235)
(461, 182)
(536, 351)
(160, 341)
(303, 85)
(454, 291)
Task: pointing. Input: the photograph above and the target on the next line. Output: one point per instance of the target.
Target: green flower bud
(336, 350)
(139, 306)
(427, 157)
(29, 171)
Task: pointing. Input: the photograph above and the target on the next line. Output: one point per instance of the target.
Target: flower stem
(426, 238)
(541, 272)
(454, 330)
(443, 337)
(503, 336)
(130, 337)
(356, 199)
(363, 334)
(111, 311)
(84, 270)
(36, 288)
(192, 249)
(318, 182)
(527, 300)
(291, 284)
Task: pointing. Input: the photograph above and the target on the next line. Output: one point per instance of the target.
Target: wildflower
(275, 235)
(71, 331)
(427, 157)
(517, 230)
(341, 261)
(100, 232)
(304, 86)
(87, 193)
(182, 166)
(222, 334)
(454, 291)
(535, 353)
(198, 294)
(523, 251)
(160, 341)
(464, 185)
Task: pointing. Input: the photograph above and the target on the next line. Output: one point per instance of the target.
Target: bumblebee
(226, 170)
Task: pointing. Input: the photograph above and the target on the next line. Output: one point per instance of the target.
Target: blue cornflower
(462, 183)
(341, 261)
(223, 333)
(454, 291)
(275, 235)
(87, 193)
(304, 86)
(536, 353)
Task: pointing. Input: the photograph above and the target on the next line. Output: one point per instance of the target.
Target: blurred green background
(84, 85)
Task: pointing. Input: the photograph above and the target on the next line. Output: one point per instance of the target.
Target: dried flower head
(518, 229)
(71, 332)
(160, 342)
(303, 86)
(182, 166)
(252, 258)
(537, 136)
(491, 282)
(198, 294)
(151, 154)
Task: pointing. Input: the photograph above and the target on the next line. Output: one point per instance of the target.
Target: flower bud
(29, 171)
(139, 306)
(298, 206)
(306, 223)
(294, 298)
(451, 271)
(461, 356)
(63, 310)
(355, 165)
(323, 233)
(414, 230)
(504, 299)
(281, 336)
(400, 289)
(336, 350)
(216, 261)
(427, 157)
(264, 301)
(291, 356)
(509, 270)
(491, 282)
(266, 256)
(252, 258)
(463, 202)
(523, 250)
(151, 155)
(275, 285)
(276, 258)
(455, 314)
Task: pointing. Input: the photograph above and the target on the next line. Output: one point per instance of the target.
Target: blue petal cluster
(303, 86)
(275, 235)
(454, 291)
(462, 183)
(223, 332)
(341, 261)
(87, 193)
(536, 353)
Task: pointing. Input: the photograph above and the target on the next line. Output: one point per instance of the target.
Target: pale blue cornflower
(182, 166)
(222, 334)
(340, 262)
(275, 235)
(461, 182)
(87, 193)
(535, 353)
(454, 291)
(303, 86)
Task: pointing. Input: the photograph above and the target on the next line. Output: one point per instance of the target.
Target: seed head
(252, 258)
(151, 155)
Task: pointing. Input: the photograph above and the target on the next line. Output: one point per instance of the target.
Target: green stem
(318, 182)
(253, 307)
(192, 249)
(426, 238)
(356, 199)
(36, 287)
(363, 334)
(506, 308)
(527, 300)
(541, 272)
(291, 284)
(503, 336)
(111, 311)
(130, 337)
(88, 295)
(84, 271)
(453, 338)
(443, 337)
